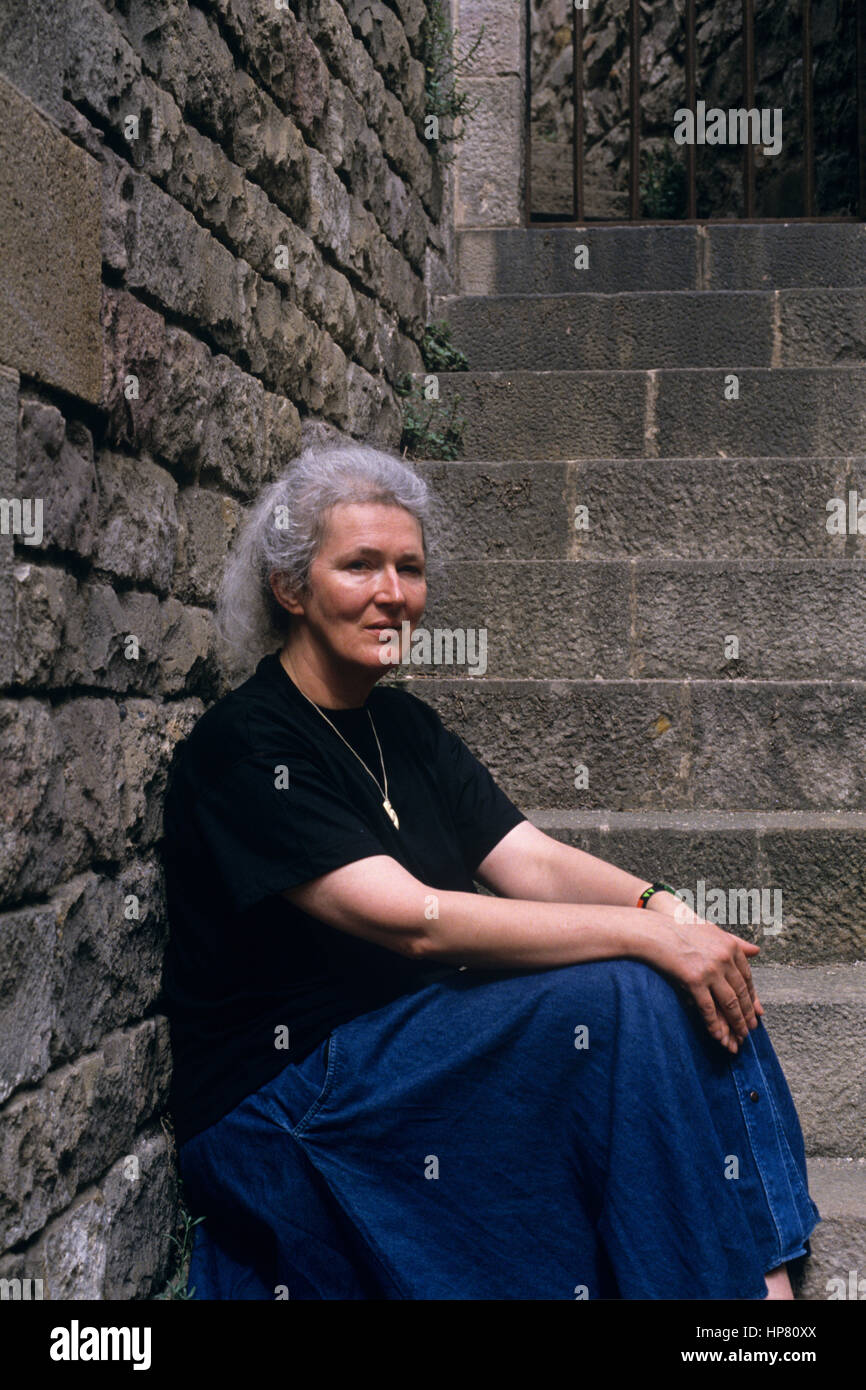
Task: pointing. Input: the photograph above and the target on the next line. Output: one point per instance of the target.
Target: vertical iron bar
(808, 115)
(691, 69)
(527, 120)
(749, 86)
(634, 110)
(577, 123)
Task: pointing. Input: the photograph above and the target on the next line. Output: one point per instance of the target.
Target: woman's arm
(378, 899)
(526, 863)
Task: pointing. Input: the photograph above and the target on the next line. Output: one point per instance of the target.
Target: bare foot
(779, 1284)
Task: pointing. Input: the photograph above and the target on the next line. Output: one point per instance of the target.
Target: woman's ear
(285, 595)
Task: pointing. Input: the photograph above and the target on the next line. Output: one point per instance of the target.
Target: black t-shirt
(263, 796)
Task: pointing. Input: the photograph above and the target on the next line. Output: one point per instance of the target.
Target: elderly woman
(386, 1084)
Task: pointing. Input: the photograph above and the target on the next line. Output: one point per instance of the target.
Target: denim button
(753, 1095)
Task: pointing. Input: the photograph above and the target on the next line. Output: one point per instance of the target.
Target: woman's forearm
(574, 876)
(472, 929)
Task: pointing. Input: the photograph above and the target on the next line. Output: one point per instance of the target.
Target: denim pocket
(319, 1069)
(292, 1097)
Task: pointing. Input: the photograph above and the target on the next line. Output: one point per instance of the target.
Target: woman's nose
(391, 586)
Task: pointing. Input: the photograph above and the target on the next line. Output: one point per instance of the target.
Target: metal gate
(747, 212)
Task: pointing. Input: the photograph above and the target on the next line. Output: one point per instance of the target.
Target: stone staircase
(609, 644)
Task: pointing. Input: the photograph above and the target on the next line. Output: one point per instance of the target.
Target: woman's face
(369, 573)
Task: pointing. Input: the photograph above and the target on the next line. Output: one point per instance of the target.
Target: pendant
(391, 812)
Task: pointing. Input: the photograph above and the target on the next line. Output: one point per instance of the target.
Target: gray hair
(285, 526)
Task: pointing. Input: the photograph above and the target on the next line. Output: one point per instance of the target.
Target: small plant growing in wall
(445, 102)
(429, 430)
(438, 352)
(177, 1289)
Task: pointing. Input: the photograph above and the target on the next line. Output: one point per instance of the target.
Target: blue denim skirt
(566, 1133)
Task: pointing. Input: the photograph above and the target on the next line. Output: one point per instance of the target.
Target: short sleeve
(482, 812)
(271, 822)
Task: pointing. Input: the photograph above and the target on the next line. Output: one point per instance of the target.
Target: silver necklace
(386, 803)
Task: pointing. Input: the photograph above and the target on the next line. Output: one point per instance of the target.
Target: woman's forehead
(353, 522)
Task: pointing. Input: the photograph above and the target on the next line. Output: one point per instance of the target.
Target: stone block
(809, 865)
(139, 407)
(49, 250)
(32, 44)
(269, 146)
(69, 633)
(281, 54)
(235, 428)
(143, 1200)
(111, 934)
(187, 657)
(838, 1188)
(83, 782)
(816, 1017)
(758, 602)
(111, 640)
(27, 1007)
(779, 412)
(282, 435)
(87, 733)
(88, 634)
(149, 733)
(372, 411)
(385, 40)
(112, 1242)
(162, 250)
(489, 179)
(55, 463)
(207, 523)
(412, 14)
(408, 153)
(31, 816)
(502, 47)
(56, 1139)
(42, 601)
(72, 969)
(137, 519)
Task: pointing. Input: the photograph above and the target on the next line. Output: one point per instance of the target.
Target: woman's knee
(615, 996)
(612, 979)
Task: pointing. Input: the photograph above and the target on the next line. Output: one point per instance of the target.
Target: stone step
(780, 411)
(687, 508)
(791, 881)
(684, 328)
(756, 620)
(838, 1188)
(709, 256)
(665, 744)
(816, 1017)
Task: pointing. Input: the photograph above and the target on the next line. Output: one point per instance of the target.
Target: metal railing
(808, 174)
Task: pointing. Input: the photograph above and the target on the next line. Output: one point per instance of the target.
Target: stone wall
(718, 31)
(222, 223)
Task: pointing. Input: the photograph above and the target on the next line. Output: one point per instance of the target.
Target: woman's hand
(713, 965)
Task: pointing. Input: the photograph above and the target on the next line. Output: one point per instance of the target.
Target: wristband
(655, 888)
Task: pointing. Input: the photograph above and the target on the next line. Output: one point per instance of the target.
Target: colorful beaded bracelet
(655, 888)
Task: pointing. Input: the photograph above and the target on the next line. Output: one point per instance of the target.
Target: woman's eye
(413, 569)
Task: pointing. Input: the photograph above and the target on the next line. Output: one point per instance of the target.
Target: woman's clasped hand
(713, 966)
